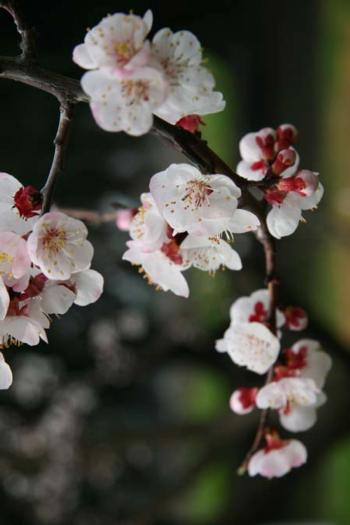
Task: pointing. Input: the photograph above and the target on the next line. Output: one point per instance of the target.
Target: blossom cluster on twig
(187, 218)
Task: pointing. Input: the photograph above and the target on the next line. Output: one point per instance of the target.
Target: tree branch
(67, 89)
(26, 32)
(60, 143)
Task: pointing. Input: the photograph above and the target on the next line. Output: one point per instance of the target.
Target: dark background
(123, 418)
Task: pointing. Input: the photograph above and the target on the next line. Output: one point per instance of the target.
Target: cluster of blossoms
(182, 222)
(44, 267)
(269, 158)
(187, 219)
(298, 377)
(132, 78)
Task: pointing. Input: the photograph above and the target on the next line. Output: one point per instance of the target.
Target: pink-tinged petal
(254, 171)
(6, 377)
(58, 246)
(291, 170)
(89, 287)
(249, 147)
(82, 57)
(318, 362)
(310, 203)
(4, 300)
(243, 221)
(123, 219)
(242, 401)
(278, 462)
(297, 453)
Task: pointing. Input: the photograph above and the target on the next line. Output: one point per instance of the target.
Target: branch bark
(60, 142)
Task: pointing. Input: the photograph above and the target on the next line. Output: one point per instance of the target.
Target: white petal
(248, 146)
(209, 254)
(57, 299)
(283, 220)
(82, 58)
(5, 374)
(251, 345)
(89, 286)
(247, 171)
(299, 418)
(271, 396)
(243, 221)
(4, 300)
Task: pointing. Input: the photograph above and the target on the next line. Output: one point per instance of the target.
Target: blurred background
(123, 418)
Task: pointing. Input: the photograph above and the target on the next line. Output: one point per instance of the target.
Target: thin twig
(60, 143)
(272, 284)
(90, 216)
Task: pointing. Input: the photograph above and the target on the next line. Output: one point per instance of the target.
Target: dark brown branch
(60, 143)
(67, 89)
(26, 32)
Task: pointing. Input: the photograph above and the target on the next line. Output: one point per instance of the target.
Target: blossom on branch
(251, 345)
(58, 246)
(44, 269)
(130, 79)
(191, 85)
(196, 203)
(19, 205)
(269, 157)
(182, 223)
(277, 458)
(296, 399)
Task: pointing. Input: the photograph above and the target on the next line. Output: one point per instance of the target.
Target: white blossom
(277, 462)
(191, 85)
(283, 219)
(296, 398)
(192, 202)
(117, 42)
(251, 345)
(58, 246)
(254, 308)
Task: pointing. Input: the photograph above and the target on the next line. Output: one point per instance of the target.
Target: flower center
(135, 90)
(54, 240)
(172, 251)
(259, 314)
(197, 194)
(124, 51)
